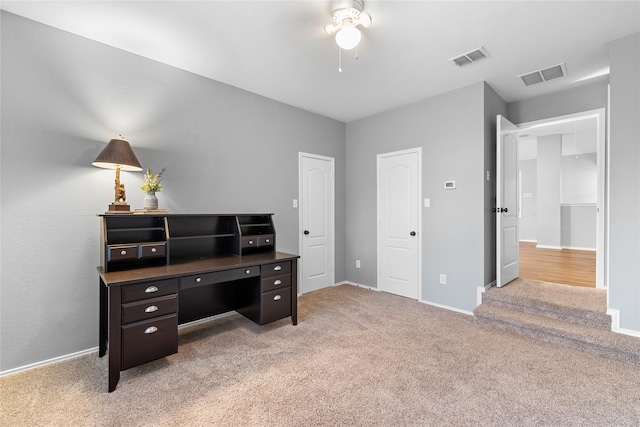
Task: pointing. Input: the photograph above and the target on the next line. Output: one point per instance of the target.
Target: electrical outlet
(357, 263)
(443, 279)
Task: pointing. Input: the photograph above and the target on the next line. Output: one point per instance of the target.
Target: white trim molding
(48, 361)
(357, 285)
(615, 324)
(446, 307)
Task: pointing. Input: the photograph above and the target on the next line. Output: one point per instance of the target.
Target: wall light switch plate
(427, 203)
(295, 203)
(449, 185)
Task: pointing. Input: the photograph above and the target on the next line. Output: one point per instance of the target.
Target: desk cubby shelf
(175, 237)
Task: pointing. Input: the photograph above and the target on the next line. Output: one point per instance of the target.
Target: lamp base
(119, 208)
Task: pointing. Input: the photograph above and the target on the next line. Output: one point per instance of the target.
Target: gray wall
(450, 130)
(582, 98)
(549, 184)
(624, 181)
(529, 206)
(63, 98)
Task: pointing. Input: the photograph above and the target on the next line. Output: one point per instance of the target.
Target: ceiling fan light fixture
(348, 37)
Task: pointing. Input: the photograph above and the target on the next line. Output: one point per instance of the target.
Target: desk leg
(103, 336)
(294, 291)
(114, 337)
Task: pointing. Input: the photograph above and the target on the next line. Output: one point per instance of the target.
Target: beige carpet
(357, 357)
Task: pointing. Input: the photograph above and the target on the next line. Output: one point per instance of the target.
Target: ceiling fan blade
(365, 20)
(331, 29)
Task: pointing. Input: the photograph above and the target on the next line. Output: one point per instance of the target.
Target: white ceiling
(278, 49)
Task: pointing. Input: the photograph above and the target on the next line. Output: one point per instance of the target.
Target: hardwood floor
(568, 266)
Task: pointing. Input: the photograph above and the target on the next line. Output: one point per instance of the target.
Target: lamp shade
(348, 37)
(118, 154)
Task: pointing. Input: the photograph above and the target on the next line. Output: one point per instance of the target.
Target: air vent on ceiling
(470, 57)
(544, 75)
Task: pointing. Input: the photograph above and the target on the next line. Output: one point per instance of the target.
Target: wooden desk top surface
(208, 265)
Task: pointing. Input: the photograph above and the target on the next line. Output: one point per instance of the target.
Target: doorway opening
(561, 182)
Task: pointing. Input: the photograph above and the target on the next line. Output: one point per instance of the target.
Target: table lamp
(118, 155)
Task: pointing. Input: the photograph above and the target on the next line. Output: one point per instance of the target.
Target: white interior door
(508, 236)
(316, 222)
(399, 230)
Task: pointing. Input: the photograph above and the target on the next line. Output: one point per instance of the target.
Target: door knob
(306, 231)
(413, 233)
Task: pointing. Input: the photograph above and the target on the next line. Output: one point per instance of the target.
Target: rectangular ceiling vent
(470, 57)
(544, 75)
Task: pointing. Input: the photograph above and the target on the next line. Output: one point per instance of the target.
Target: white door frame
(332, 225)
(418, 151)
(602, 257)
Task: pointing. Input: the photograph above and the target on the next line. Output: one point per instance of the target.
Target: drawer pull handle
(123, 252)
(277, 268)
(267, 240)
(150, 330)
(151, 309)
(277, 282)
(247, 271)
(151, 289)
(251, 242)
(154, 250)
(277, 298)
(198, 280)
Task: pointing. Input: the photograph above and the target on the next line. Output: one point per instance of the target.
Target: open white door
(399, 222)
(508, 235)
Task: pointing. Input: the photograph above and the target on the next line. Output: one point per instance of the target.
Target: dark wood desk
(145, 294)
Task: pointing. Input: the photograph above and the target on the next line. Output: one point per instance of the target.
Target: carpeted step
(581, 337)
(559, 310)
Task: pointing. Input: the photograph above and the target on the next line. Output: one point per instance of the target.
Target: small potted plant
(152, 184)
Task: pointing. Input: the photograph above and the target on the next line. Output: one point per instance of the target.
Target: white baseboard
(446, 307)
(528, 241)
(48, 362)
(357, 285)
(548, 247)
(579, 248)
(615, 324)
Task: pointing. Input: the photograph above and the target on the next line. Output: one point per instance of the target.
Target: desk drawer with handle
(151, 289)
(150, 308)
(275, 305)
(275, 282)
(218, 277)
(149, 340)
(276, 268)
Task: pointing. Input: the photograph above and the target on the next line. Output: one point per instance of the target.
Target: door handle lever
(413, 233)
(306, 232)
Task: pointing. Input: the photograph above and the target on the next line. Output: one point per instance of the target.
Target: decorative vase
(150, 201)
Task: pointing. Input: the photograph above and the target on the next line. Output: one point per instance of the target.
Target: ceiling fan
(347, 16)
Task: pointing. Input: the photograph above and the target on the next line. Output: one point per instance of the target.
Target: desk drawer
(122, 252)
(275, 282)
(249, 242)
(266, 240)
(147, 309)
(152, 289)
(276, 268)
(149, 340)
(218, 277)
(150, 250)
(275, 305)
